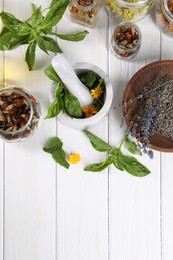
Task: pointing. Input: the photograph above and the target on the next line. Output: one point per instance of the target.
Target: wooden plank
(82, 196)
(134, 207)
(166, 177)
(30, 186)
(1, 162)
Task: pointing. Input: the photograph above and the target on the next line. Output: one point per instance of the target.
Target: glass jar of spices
(19, 114)
(129, 10)
(126, 40)
(84, 12)
(164, 16)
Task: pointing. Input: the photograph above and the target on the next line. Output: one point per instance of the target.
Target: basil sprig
(122, 162)
(54, 147)
(34, 32)
(64, 100)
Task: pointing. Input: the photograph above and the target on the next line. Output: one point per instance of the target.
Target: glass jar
(84, 12)
(129, 10)
(126, 40)
(19, 114)
(164, 16)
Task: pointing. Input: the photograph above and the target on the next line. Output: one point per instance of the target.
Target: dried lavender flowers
(154, 114)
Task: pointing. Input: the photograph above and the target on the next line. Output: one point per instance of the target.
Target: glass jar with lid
(129, 10)
(84, 12)
(19, 114)
(164, 16)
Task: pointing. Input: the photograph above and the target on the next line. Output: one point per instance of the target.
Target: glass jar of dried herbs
(19, 114)
(129, 10)
(164, 16)
(126, 40)
(84, 12)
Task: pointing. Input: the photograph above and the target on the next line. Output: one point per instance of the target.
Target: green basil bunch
(34, 31)
(122, 162)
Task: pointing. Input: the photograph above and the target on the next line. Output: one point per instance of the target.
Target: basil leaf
(132, 165)
(118, 164)
(55, 13)
(9, 19)
(4, 31)
(97, 143)
(54, 147)
(8, 41)
(51, 74)
(30, 55)
(51, 44)
(54, 108)
(53, 144)
(59, 157)
(114, 151)
(132, 147)
(37, 17)
(72, 105)
(88, 78)
(97, 167)
(138, 170)
(75, 37)
(41, 44)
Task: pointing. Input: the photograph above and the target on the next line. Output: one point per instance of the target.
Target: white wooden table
(50, 213)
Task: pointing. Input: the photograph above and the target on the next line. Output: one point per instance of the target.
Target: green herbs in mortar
(67, 103)
(116, 157)
(34, 32)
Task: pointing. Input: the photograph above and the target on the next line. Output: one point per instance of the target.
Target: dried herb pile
(156, 108)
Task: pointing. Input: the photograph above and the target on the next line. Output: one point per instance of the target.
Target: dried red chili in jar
(126, 40)
(84, 12)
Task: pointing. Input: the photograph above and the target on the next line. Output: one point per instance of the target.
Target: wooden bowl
(134, 87)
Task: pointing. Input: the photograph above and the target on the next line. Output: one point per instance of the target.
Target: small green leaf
(98, 167)
(54, 109)
(55, 13)
(9, 42)
(118, 164)
(97, 143)
(37, 17)
(72, 105)
(30, 55)
(52, 145)
(132, 147)
(88, 78)
(59, 157)
(75, 37)
(51, 44)
(132, 165)
(41, 43)
(51, 74)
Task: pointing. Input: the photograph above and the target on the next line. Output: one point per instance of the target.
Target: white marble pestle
(67, 74)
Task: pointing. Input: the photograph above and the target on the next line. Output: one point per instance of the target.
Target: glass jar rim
(87, 7)
(24, 94)
(139, 3)
(166, 11)
(137, 29)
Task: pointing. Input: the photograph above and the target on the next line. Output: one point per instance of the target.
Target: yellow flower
(89, 110)
(96, 92)
(74, 158)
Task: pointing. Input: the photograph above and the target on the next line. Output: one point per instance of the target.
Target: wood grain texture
(30, 187)
(167, 178)
(134, 222)
(82, 202)
(1, 162)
